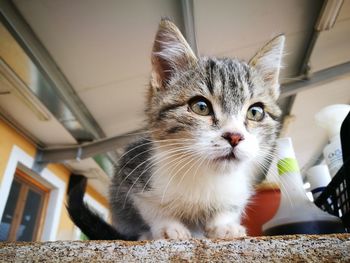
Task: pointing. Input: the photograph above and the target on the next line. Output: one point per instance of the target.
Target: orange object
(262, 207)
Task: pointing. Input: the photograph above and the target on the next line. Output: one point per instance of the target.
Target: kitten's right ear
(170, 53)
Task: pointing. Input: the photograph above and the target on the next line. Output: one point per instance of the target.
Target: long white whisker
(155, 156)
(174, 167)
(161, 167)
(127, 194)
(277, 178)
(148, 150)
(172, 177)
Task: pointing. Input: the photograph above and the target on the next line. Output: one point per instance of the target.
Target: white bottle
(318, 177)
(331, 118)
(296, 213)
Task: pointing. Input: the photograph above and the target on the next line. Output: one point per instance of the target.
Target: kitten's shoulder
(136, 153)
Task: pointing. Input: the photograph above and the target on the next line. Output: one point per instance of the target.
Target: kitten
(212, 126)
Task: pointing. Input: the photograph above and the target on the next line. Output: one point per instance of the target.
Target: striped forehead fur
(229, 81)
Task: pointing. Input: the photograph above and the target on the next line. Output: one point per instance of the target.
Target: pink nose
(233, 138)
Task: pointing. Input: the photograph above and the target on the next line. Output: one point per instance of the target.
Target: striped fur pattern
(192, 174)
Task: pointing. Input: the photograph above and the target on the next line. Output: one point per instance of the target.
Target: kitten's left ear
(268, 63)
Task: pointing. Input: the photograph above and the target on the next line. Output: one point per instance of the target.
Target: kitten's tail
(90, 223)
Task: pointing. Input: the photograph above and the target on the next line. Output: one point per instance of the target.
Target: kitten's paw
(171, 230)
(226, 231)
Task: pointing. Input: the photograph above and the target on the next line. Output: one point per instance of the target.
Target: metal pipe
(82, 151)
(188, 17)
(318, 78)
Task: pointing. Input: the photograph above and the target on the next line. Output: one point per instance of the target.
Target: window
(22, 219)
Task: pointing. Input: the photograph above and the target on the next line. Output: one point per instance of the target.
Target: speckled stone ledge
(299, 248)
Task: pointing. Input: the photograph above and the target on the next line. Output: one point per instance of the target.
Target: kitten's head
(219, 111)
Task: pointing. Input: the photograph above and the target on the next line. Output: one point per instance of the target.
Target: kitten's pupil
(202, 106)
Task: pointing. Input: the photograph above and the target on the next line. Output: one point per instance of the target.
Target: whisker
(148, 150)
(155, 156)
(151, 176)
(277, 178)
(173, 166)
(163, 167)
(172, 177)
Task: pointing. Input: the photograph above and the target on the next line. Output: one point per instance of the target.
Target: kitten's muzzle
(233, 138)
(230, 157)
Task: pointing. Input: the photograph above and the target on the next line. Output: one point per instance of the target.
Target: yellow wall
(8, 138)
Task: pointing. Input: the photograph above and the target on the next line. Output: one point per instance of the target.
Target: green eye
(201, 107)
(256, 112)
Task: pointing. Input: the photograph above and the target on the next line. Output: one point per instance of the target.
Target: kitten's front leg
(225, 225)
(162, 226)
(166, 228)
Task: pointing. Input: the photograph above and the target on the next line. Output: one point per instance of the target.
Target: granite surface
(298, 248)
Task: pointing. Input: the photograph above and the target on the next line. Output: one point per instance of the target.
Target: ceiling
(103, 48)
(102, 51)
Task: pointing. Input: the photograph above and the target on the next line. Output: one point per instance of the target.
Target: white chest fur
(192, 193)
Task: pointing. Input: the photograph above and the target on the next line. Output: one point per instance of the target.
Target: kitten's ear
(170, 53)
(268, 63)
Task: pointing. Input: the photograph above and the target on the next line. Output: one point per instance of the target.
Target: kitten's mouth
(229, 157)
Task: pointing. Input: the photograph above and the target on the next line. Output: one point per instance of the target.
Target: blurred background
(74, 72)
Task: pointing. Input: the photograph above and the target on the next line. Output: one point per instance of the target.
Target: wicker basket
(335, 199)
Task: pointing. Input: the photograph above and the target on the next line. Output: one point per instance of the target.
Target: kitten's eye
(200, 106)
(256, 112)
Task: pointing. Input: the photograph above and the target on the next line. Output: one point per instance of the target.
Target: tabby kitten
(212, 125)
